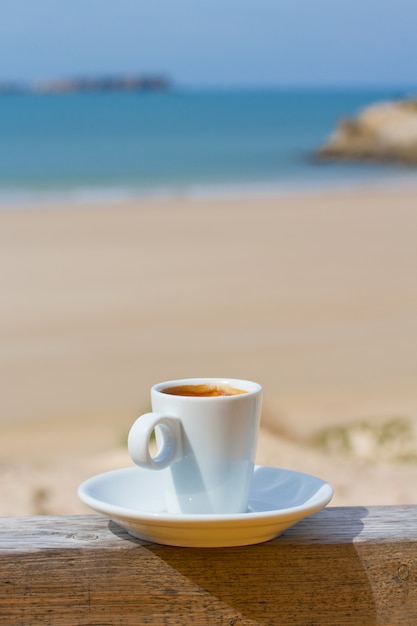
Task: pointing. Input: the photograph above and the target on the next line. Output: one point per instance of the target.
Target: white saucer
(279, 498)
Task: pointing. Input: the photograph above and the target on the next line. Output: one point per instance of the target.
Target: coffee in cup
(206, 436)
(203, 390)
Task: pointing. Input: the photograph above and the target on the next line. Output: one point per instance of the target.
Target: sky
(213, 43)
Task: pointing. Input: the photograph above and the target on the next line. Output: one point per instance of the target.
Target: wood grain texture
(353, 565)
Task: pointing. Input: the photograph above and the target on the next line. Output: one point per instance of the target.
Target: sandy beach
(314, 295)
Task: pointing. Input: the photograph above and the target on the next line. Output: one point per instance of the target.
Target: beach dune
(314, 295)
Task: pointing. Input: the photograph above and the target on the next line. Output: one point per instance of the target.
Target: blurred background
(208, 188)
(239, 95)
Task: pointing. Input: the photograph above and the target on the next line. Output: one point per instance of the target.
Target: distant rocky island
(384, 132)
(88, 85)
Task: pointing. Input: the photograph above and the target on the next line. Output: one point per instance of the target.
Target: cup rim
(250, 387)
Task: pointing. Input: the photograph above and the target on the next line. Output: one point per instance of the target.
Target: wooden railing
(353, 565)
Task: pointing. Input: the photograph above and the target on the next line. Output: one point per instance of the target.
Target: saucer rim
(162, 518)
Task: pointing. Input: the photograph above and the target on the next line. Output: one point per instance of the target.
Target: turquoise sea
(117, 145)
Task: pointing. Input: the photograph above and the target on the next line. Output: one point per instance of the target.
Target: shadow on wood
(352, 565)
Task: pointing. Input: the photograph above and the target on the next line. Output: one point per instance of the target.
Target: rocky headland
(385, 131)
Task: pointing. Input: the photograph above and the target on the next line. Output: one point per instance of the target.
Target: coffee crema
(203, 391)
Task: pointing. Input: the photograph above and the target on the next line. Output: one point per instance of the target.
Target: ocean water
(118, 145)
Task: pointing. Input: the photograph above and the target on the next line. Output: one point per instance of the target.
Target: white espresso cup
(206, 437)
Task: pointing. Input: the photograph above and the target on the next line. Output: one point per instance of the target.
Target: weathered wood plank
(352, 565)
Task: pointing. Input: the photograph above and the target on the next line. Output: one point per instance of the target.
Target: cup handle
(169, 441)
